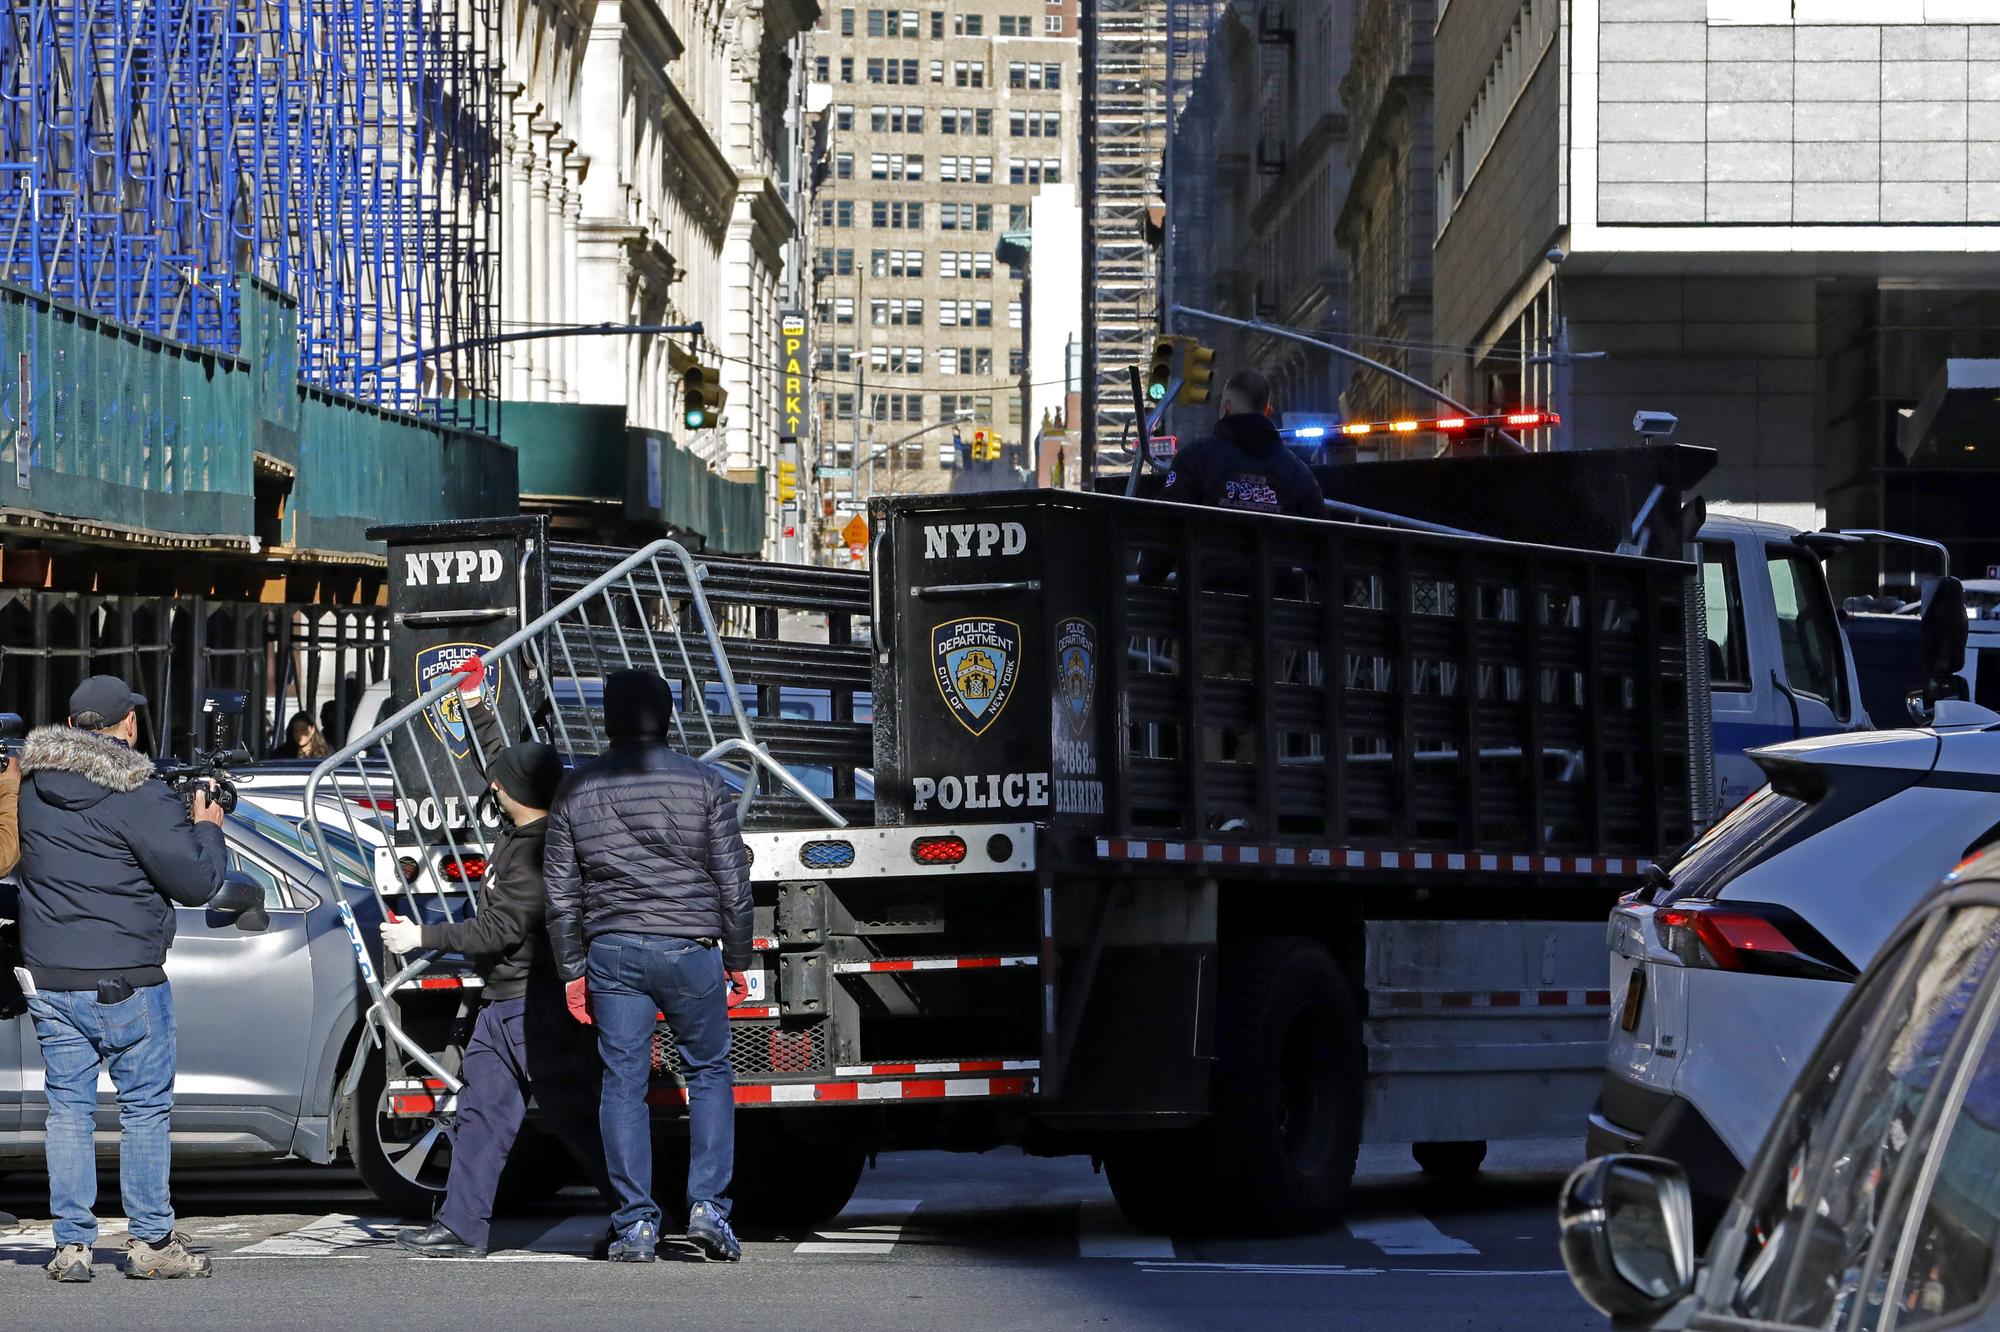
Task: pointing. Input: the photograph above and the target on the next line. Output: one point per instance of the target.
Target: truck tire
(1289, 1073)
(795, 1185)
(404, 1162)
(1449, 1160)
(1163, 1181)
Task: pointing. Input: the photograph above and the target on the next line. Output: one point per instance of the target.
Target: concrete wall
(1705, 121)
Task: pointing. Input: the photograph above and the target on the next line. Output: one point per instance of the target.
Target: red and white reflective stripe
(1407, 999)
(763, 944)
(417, 1084)
(1322, 857)
(822, 1093)
(944, 1066)
(413, 1104)
(445, 983)
(934, 964)
(743, 1011)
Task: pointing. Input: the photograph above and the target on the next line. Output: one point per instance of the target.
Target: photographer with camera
(106, 853)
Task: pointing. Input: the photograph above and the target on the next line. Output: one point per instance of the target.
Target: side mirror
(1941, 636)
(239, 893)
(1628, 1235)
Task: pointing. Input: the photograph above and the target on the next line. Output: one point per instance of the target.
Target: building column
(573, 304)
(539, 231)
(521, 164)
(561, 275)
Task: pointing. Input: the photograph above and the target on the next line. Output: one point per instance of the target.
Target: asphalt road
(931, 1241)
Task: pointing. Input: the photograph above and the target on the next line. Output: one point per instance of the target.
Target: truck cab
(1779, 664)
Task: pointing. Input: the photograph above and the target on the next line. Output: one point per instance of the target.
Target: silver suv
(268, 1008)
(1874, 1202)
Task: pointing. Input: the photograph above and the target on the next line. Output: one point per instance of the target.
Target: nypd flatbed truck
(1207, 844)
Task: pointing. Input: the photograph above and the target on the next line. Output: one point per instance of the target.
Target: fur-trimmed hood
(76, 769)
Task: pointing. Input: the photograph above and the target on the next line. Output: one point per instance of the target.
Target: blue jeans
(633, 977)
(135, 1041)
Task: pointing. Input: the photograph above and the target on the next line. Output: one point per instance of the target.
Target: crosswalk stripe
(875, 1237)
(1407, 1235)
(1103, 1232)
(331, 1234)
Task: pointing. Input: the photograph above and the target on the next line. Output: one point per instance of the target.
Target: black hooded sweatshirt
(106, 853)
(1244, 465)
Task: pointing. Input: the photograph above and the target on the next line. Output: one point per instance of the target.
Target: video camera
(221, 749)
(13, 734)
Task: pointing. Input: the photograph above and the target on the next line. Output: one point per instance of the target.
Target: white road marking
(1408, 1235)
(1103, 1232)
(331, 1234)
(876, 1237)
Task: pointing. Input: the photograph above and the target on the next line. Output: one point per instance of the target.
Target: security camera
(1655, 425)
(1556, 254)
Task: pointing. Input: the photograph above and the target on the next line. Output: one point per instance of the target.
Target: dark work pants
(518, 1046)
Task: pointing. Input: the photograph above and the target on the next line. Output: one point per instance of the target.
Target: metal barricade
(647, 612)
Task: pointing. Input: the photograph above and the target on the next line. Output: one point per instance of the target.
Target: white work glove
(402, 936)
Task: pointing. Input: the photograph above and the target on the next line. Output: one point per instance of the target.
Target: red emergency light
(1453, 425)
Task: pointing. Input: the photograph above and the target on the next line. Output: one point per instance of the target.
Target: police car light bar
(1443, 425)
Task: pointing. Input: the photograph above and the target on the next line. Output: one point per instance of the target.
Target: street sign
(855, 534)
(821, 473)
(792, 326)
(856, 552)
(845, 505)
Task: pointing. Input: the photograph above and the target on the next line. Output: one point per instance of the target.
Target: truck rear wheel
(1278, 1153)
(1449, 1160)
(1289, 1070)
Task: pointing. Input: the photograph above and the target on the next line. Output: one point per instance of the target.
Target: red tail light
(464, 869)
(1754, 937)
(380, 806)
(938, 850)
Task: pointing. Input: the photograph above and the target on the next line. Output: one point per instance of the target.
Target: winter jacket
(106, 852)
(10, 819)
(1244, 465)
(643, 840)
(504, 938)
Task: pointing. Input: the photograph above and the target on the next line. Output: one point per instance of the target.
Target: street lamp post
(957, 419)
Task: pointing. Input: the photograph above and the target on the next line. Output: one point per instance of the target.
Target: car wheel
(1449, 1160)
(404, 1160)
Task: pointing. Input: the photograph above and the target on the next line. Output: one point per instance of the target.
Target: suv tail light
(1751, 937)
(463, 869)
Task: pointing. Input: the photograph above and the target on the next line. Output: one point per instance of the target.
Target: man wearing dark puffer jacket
(649, 913)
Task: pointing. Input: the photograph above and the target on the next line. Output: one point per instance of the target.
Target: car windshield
(347, 853)
(1821, 1239)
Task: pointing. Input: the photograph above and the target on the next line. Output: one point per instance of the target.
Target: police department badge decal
(975, 663)
(446, 717)
(1076, 672)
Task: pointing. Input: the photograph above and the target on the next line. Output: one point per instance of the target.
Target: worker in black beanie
(523, 1041)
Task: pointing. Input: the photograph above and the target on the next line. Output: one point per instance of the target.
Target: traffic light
(1166, 351)
(702, 397)
(979, 446)
(788, 482)
(1197, 369)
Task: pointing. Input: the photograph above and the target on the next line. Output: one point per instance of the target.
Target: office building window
(1014, 317)
(836, 262)
(1016, 362)
(843, 117)
(843, 166)
(1017, 217)
(937, 25)
(896, 312)
(836, 212)
(847, 69)
(837, 310)
(1035, 171)
(847, 23)
(1052, 23)
(874, 23)
(897, 215)
(966, 217)
(968, 25)
(822, 69)
(968, 73)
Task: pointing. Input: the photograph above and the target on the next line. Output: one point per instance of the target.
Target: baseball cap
(105, 696)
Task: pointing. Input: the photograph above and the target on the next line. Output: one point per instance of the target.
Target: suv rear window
(1744, 836)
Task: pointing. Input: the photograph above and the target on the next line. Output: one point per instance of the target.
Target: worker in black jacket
(522, 1040)
(649, 912)
(1244, 464)
(107, 853)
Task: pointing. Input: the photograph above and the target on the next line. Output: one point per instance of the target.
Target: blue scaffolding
(346, 152)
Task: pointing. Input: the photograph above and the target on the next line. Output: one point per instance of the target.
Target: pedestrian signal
(702, 397)
(1197, 369)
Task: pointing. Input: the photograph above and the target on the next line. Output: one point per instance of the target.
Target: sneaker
(708, 1230)
(637, 1243)
(167, 1260)
(71, 1263)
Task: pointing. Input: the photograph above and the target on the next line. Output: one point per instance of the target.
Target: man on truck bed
(1244, 465)
(653, 834)
(522, 1039)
